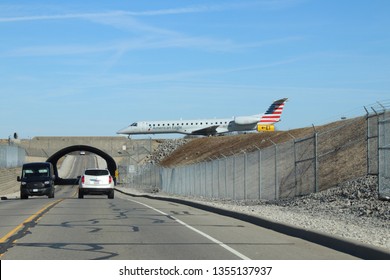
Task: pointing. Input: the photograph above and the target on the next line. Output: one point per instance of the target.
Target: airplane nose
(122, 131)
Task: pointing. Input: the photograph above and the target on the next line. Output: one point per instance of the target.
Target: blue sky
(90, 68)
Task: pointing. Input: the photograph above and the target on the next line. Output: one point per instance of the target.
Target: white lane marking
(223, 245)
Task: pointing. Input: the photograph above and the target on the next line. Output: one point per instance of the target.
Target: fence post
(316, 162)
(245, 173)
(367, 140)
(276, 169)
(212, 177)
(259, 154)
(234, 177)
(225, 175)
(295, 168)
(218, 188)
(205, 179)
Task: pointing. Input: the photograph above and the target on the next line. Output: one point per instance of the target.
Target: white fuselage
(186, 127)
(209, 126)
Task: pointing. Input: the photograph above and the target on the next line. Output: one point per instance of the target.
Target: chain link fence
(297, 167)
(378, 146)
(384, 155)
(372, 144)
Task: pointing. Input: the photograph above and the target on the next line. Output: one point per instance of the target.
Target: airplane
(211, 127)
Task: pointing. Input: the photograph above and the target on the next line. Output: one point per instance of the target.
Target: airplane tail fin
(274, 112)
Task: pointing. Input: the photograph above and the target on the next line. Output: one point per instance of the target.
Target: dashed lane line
(223, 245)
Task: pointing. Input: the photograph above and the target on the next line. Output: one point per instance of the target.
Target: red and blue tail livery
(274, 112)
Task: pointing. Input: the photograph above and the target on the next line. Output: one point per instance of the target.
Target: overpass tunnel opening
(54, 159)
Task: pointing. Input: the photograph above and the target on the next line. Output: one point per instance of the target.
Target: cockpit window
(134, 124)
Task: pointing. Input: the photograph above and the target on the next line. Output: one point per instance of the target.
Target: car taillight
(110, 179)
(82, 180)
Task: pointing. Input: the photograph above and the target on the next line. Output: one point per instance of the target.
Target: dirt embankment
(341, 150)
(205, 149)
(209, 148)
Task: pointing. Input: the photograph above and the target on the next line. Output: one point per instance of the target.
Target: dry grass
(204, 149)
(341, 149)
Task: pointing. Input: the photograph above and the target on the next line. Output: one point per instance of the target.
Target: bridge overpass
(114, 150)
(117, 147)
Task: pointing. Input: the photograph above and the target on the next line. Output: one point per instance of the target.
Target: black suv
(37, 180)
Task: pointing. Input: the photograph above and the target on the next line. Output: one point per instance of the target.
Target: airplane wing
(211, 130)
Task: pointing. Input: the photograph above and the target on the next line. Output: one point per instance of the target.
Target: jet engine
(268, 127)
(246, 120)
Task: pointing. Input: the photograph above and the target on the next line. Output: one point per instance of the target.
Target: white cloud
(143, 43)
(264, 4)
(150, 36)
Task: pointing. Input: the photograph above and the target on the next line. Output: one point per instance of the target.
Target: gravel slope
(351, 210)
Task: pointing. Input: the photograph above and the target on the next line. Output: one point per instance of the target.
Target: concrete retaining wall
(8, 183)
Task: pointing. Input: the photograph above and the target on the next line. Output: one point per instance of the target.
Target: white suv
(96, 181)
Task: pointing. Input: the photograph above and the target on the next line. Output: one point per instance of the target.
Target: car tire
(111, 195)
(23, 196)
(81, 195)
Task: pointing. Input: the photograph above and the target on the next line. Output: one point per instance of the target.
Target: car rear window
(96, 172)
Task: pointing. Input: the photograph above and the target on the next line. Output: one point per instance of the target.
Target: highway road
(96, 228)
